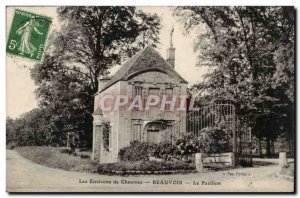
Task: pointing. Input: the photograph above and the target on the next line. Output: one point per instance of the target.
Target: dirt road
(25, 176)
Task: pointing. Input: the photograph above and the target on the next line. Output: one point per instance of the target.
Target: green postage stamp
(28, 35)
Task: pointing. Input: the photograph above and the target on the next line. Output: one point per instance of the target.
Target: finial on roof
(171, 36)
(171, 50)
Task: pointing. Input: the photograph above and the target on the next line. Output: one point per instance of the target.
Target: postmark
(28, 34)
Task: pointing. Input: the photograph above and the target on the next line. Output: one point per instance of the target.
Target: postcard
(150, 99)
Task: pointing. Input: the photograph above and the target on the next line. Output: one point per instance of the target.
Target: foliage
(26, 131)
(215, 140)
(250, 51)
(10, 131)
(137, 151)
(183, 147)
(106, 134)
(90, 41)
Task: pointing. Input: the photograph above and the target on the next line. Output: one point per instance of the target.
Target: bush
(187, 145)
(137, 151)
(213, 140)
(181, 150)
(216, 140)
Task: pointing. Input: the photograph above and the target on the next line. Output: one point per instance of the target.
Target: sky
(20, 87)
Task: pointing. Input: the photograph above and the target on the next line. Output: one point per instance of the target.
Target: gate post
(250, 139)
(199, 162)
(234, 146)
(234, 149)
(282, 160)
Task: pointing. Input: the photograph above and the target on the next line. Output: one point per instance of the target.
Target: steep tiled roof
(146, 59)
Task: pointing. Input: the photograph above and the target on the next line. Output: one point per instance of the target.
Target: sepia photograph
(150, 99)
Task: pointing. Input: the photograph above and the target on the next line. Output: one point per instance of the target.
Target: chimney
(171, 50)
(102, 81)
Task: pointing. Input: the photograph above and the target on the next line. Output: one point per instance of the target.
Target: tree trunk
(273, 147)
(259, 146)
(268, 146)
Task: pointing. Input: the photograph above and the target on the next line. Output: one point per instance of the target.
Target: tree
(31, 128)
(10, 131)
(91, 40)
(250, 51)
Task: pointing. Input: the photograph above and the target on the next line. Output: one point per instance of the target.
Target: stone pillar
(232, 160)
(199, 162)
(97, 131)
(282, 160)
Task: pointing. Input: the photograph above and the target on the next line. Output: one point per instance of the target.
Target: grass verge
(58, 158)
(53, 157)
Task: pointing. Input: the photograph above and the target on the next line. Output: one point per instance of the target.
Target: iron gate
(219, 112)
